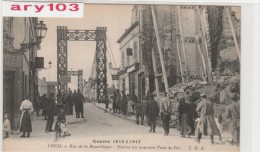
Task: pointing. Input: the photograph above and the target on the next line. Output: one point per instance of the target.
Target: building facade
(195, 41)
(20, 75)
(129, 44)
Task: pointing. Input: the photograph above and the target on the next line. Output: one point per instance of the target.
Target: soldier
(80, 102)
(152, 111)
(75, 101)
(124, 103)
(207, 124)
(139, 111)
(64, 102)
(115, 107)
(165, 109)
(44, 105)
(51, 113)
(234, 115)
(70, 103)
(118, 101)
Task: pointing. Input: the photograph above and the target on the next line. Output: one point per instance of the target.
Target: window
(135, 50)
(123, 59)
(127, 59)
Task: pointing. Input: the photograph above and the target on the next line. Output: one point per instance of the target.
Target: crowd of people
(193, 116)
(49, 108)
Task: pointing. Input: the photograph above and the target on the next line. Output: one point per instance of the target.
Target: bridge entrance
(99, 35)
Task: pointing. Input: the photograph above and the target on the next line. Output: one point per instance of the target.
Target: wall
(130, 41)
(19, 29)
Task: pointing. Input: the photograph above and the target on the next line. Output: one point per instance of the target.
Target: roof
(127, 32)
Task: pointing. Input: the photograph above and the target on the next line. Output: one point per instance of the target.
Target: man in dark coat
(192, 115)
(152, 111)
(76, 103)
(124, 103)
(80, 101)
(107, 101)
(64, 102)
(44, 105)
(234, 115)
(183, 110)
(207, 124)
(51, 113)
(115, 107)
(139, 112)
(135, 100)
(118, 101)
(37, 105)
(70, 103)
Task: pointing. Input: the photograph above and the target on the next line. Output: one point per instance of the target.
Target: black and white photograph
(136, 77)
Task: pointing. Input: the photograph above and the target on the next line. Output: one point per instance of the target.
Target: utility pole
(201, 54)
(182, 43)
(178, 51)
(233, 33)
(155, 73)
(160, 49)
(205, 38)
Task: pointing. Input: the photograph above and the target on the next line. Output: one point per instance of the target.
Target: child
(61, 125)
(130, 103)
(64, 129)
(6, 125)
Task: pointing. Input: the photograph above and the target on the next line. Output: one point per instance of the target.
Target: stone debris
(218, 92)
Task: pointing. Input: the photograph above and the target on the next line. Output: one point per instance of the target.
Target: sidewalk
(102, 107)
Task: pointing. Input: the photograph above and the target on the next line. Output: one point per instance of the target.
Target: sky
(116, 18)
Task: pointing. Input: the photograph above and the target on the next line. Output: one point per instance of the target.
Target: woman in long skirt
(26, 123)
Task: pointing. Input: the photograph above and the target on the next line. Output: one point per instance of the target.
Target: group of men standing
(203, 114)
(77, 99)
(65, 101)
(128, 105)
(192, 115)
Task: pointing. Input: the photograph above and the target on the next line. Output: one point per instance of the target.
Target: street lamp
(50, 64)
(41, 30)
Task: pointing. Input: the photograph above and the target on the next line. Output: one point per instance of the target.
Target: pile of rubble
(218, 91)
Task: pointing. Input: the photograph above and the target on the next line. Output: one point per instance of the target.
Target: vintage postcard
(128, 77)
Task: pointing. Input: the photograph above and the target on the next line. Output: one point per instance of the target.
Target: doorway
(9, 95)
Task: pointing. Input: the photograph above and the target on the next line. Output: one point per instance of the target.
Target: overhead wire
(111, 52)
(110, 70)
(112, 57)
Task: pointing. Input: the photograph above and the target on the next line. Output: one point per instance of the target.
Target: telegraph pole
(155, 73)
(233, 33)
(160, 50)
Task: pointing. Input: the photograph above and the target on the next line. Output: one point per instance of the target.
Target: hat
(203, 95)
(233, 96)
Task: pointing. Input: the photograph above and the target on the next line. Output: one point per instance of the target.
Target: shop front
(12, 86)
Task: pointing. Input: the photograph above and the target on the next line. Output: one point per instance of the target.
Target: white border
(250, 76)
(250, 67)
